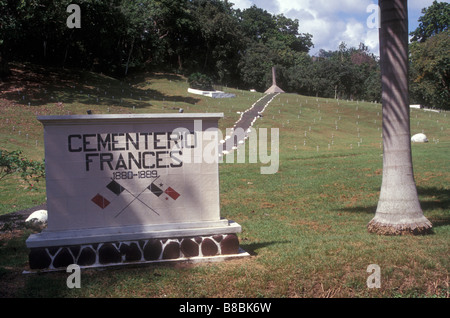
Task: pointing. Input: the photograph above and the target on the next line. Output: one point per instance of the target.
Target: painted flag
(101, 201)
(115, 187)
(161, 190)
(112, 191)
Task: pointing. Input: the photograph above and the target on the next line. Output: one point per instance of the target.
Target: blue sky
(334, 21)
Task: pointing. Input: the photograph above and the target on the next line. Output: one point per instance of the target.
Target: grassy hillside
(35, 91)
(304, 226)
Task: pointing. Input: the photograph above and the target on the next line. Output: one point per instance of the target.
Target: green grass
(34, 91)
(305, 226)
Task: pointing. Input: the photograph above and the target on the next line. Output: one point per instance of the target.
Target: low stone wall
(213, 94)
(129, 252)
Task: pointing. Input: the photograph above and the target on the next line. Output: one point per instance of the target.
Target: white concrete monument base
(127, 189)
(50, 251)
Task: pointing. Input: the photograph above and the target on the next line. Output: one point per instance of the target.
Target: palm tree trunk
(398, 210)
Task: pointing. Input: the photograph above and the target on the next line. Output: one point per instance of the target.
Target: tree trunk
(4, 67)
(180, 64)
(398, 210)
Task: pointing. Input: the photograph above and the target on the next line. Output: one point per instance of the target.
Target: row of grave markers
(360, 139)
(443, 113)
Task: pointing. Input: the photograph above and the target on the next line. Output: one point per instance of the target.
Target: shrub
(14, 162)
(200, 81)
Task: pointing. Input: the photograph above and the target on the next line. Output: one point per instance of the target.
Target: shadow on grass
(37, 85)
(253, 247)
(431, 198)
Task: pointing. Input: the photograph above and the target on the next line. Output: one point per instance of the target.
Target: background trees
(435, 20)
(233, 47)
(271, 40)
(430, 57)
(430, 71)
(351, 73)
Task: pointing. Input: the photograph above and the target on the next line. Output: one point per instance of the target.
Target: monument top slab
(129, 118)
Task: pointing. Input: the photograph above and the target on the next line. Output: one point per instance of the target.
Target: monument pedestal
(194, 242)
(131, 189)
(274, 88)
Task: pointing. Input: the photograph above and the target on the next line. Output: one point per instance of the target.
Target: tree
(254, 66)
(286, 31)
(430, 61)
(399, 211)
(271, 40)
(221, 39)
(430, 71)
(435, 20)
(7, 27)
(344, 73)
(257, 24)
(13, 162)
(177, 41)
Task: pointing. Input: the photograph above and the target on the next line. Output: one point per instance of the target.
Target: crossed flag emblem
(116, 189)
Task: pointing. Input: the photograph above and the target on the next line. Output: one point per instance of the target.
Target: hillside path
(246, 121)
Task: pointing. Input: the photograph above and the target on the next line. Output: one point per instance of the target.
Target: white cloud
(324, 7)
(353, 33)
(241, 4)
(332, 22)
(372, 41)
(418, 5)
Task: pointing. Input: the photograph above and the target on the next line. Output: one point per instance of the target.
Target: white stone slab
(129, 233)
(421, 138)
(213, 94)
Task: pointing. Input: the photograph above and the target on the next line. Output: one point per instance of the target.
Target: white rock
(38, 216)
(419, 138)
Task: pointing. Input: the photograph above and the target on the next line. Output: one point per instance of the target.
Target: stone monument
(133, 189)
(274, 88)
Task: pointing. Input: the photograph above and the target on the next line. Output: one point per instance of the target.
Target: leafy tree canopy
(435, 20)
(430, 71)
(230, 46)
(430, 58)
